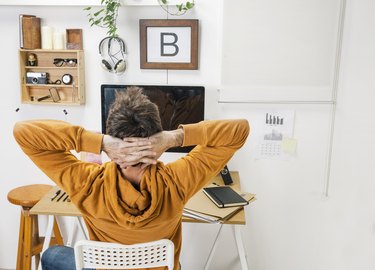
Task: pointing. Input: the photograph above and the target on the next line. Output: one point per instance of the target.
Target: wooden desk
(64, 208)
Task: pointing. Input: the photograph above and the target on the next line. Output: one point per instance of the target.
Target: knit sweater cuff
(194, 134)
(91, 142)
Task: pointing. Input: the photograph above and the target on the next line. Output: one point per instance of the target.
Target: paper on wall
(276, 135)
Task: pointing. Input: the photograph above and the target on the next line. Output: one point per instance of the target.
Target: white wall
(291, 225)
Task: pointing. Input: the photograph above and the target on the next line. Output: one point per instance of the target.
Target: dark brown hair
(132, 114)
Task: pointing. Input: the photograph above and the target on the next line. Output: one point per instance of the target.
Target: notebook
(202, 208)
(224, 196)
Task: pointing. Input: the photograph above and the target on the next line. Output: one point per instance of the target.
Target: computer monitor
(177, 105)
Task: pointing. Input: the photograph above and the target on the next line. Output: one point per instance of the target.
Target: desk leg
(48, 236)
(74, 221)
(79, 219)
(209, 259)
(240, 246)
(72, 230)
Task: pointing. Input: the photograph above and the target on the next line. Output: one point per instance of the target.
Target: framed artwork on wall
(169, 44)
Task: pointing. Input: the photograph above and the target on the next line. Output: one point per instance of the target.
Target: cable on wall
(334, 94)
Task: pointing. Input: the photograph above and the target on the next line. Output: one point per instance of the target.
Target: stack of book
(30, 35)
(206, 207)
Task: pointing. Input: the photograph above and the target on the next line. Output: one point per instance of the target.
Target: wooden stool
(29, 242)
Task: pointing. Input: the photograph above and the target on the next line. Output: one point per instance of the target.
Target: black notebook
(224, 196)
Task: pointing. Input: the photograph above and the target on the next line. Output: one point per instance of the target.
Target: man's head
(132, 114)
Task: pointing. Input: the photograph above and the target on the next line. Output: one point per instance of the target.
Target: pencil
(66, 197)
(56, 194)
(62, 195)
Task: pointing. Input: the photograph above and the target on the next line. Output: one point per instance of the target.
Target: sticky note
(289, 145)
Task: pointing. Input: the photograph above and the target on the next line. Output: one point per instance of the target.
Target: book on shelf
(224, 196)
(201, 207)
(29, 32)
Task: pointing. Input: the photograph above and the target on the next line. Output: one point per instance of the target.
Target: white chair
(103, 255)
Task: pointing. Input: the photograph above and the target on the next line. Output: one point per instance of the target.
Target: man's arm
(48, 144)
(162, 141)
(216, 142)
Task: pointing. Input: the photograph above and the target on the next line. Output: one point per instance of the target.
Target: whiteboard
(279, 50)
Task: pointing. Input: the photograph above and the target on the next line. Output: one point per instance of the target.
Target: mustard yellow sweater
(115, 211)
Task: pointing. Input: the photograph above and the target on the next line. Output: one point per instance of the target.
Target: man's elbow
(245, 131)
(19, 131)
(246, 127)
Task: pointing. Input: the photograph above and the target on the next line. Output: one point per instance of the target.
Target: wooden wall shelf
(70, 94)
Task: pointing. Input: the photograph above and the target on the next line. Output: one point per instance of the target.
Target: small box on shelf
(54, 77)
(74, 39)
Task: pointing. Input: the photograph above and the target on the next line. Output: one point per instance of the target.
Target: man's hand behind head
(129, 151)
(164, 140)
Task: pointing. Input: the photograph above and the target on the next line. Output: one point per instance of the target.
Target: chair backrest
(103, 255)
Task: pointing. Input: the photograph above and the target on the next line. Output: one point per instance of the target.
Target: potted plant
(106, 17)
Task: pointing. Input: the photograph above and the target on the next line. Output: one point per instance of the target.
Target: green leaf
(97, 21)
(189, 5)
(87, 8)
(110, 7)
(107, 18)
(98, 12)
(164, 2)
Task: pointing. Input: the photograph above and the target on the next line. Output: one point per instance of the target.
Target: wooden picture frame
(169, 44)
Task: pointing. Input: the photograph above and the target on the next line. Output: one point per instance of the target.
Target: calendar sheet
(276, 135)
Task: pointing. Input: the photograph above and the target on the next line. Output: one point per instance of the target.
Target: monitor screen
(177, 105)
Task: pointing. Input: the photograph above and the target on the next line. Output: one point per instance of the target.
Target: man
(130, 201)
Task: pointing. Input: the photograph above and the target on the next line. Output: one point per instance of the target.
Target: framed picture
(169, 44)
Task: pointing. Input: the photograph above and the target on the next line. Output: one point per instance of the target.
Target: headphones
(113, 49)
